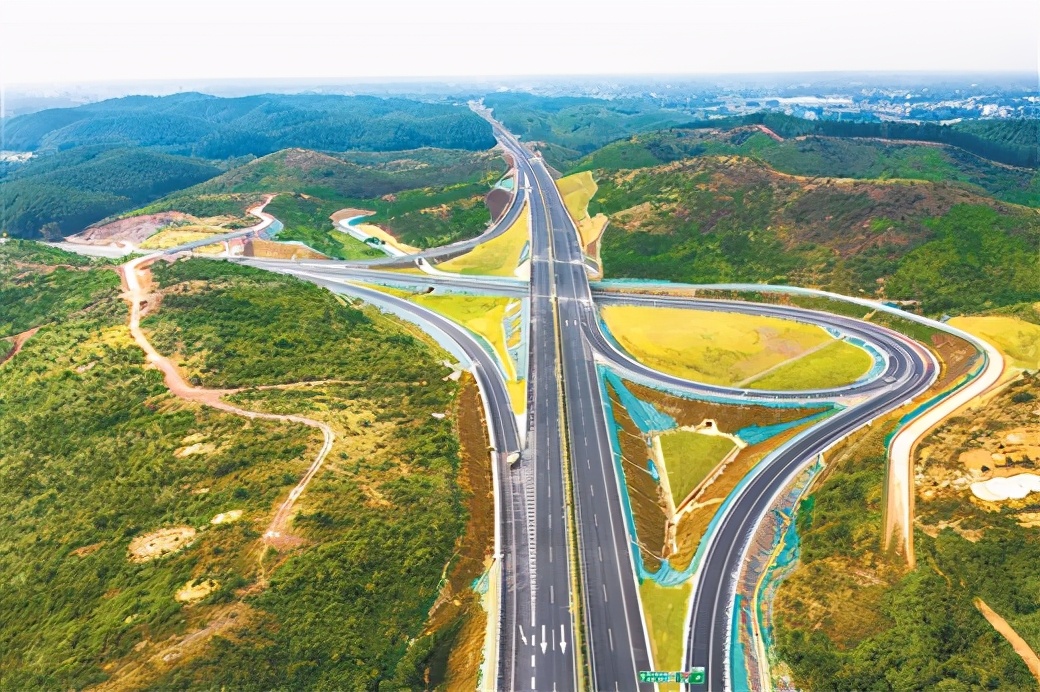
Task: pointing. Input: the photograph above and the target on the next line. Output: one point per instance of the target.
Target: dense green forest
(96, 453)
(713, 219)
(219, 128)
(62, 193)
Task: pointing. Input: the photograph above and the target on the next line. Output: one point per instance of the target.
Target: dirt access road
(136, 281)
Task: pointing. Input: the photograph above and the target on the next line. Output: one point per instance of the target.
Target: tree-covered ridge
(63, 193)
(814, 155)
(315, 173)
(576, 126)
(720, 219)
(219, 128)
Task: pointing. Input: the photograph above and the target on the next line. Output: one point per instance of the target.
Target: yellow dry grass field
(270, 249)
(172, 237)
(689, 457)
(497, 257)
(483, 316)
(712, 347)
(837, 363)
(577, 191)
(1016, 339)
(377, 232)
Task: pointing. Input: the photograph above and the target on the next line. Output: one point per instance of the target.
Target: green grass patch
(836, 364)
(690, 457)
(307, 219)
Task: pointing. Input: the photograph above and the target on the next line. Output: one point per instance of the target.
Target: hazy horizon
(62, 43)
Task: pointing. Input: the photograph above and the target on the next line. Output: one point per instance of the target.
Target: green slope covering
(219, 128)
(307, 220)
(426, 197)
(94, 456)
(851, 616)
(712, 219)
(62, 193)
(822, 156)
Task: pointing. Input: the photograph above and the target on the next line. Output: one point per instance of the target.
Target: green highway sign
(694, 676)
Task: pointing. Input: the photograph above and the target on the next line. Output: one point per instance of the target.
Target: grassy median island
(733, 349)
(690, 457)
(100, 463)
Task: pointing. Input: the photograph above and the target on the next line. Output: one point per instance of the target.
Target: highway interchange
(570, 615)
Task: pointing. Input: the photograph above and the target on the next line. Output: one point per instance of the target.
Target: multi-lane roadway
(570, 611)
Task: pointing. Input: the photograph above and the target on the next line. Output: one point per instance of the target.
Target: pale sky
(71, 41)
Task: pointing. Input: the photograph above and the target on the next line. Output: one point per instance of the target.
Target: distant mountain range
(219, 128)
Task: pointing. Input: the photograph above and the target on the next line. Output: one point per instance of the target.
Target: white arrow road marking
(544, 645)
(563, 640)
(522, 633)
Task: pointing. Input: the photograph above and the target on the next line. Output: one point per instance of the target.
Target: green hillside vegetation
(425, 198)
(377, 564)
(219, 128)
(852, 617)
(816, 156)
(63, 193)
(307, 220)
(94, 456)
(1009, 143)
(718, 219)
(31, 298)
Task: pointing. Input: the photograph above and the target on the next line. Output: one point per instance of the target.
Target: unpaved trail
(1020, 645)
(136, 277)
(17, 342)
(899, 512)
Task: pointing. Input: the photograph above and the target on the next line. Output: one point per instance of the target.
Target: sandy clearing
(197, 448)
(195, 590)
(227, 517)
(159, 543)
(1020, 646)
(349, 213)
(1007, 488)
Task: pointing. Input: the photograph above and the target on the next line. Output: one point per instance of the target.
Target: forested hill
(219, 128)
(57, 195)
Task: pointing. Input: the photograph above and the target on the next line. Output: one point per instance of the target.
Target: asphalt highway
(567, 432)
(615, 640)
(893, 345)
